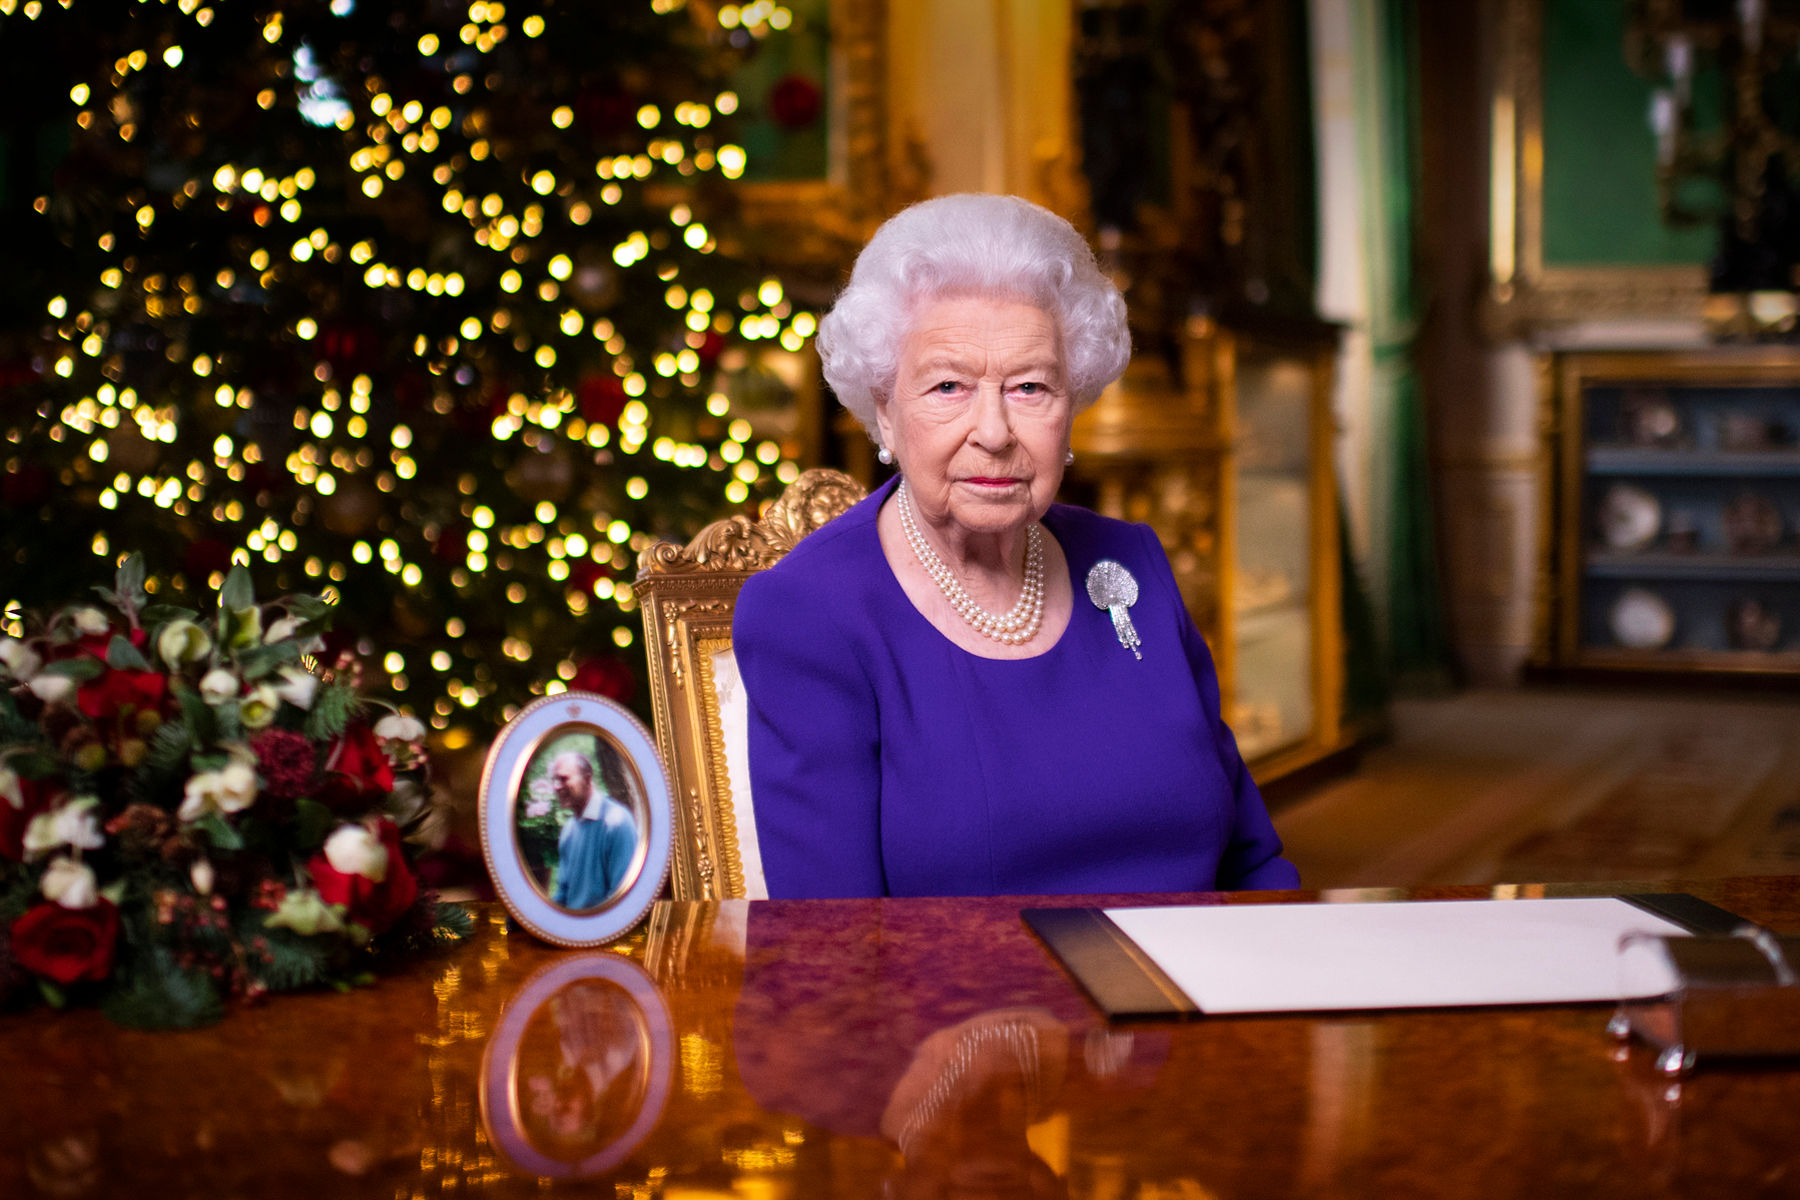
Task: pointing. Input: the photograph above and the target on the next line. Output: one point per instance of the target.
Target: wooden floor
(1561, 783)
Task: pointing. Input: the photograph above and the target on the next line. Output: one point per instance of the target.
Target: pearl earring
(885, 456)
(1068, 458)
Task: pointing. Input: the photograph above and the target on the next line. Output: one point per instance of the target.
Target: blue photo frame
(576, 776)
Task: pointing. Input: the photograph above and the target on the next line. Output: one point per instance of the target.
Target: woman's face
(979, 418)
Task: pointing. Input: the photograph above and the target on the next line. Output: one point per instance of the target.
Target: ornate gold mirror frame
(821, 223)
(1524, 292)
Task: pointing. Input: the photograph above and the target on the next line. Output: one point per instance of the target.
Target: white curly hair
(961, 245)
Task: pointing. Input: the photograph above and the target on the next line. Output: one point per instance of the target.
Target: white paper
(1322, 957)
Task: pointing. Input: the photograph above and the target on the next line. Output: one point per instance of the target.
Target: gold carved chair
(688, 595)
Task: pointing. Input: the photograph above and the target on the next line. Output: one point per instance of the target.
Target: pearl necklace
(1011, 629)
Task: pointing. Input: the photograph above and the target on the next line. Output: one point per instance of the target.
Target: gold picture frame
(817, 225)
(1525, 292)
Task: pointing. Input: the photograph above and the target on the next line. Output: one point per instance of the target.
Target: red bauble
(203, 556)
(606, 111)
(795, 101)
(27, 487)
(349, 349)
(452, 544)
(585, 574)
(602, 398)
(607, 676)
(711, 346)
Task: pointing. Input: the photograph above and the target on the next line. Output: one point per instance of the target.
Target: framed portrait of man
(576, 819)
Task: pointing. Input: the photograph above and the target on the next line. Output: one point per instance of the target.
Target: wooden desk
(787, 1037)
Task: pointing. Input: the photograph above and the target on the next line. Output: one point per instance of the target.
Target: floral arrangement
(188, 813)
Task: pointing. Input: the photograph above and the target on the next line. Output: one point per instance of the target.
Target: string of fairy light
(338, 438)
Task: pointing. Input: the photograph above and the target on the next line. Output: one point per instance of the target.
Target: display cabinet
(1224, 448)
(1673, 504)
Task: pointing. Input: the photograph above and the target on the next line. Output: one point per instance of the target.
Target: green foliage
(219, 832)
(127, 593)
(76, 670)
(169, 748)
(454, 924)
(162, 614)
(312, 823)
(143, 185)
(197, 715)
(18, 892)
(290, 961)
(153, 991)
(237, 594)
(13, 727)
(121, 655)
(264, 661)
(334, 706)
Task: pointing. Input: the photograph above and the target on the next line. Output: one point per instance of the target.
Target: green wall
(1599, 153)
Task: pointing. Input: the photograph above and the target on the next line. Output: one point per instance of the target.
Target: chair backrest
(688, 595)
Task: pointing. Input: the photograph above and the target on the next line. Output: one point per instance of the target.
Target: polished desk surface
(793, 1048)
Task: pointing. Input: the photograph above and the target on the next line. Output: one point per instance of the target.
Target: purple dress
(887, 761)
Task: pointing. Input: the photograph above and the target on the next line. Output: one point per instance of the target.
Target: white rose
(182, 641)
(302, 911)
(246, 629)
(353, 850)
(236, 788)
(70, 884)
(297, 686)
(282, 630)
(90, 622)
(202, 875)
(399, 727)
(19, 658)
(218, 685)
(71, 824)
(201, 795)
(11, 790)
(259, 707)
(52, 689)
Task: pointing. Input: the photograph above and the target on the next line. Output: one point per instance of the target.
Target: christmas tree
(433, 307)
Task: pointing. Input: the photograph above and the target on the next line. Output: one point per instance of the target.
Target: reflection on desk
(856, 1048)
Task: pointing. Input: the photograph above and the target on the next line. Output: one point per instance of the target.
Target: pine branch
(151, 990)
(333, 708)
(169, 748)
(291, 961)
(454, 924)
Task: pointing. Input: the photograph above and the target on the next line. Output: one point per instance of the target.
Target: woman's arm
(815, 774)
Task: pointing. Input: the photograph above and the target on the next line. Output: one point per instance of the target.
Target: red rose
(66, 945)
(35, 798)
(107, 695)
(375, 906)
(358, 771)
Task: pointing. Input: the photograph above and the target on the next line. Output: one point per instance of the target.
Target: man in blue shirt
(597, 845)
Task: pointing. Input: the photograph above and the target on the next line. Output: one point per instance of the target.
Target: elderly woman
(960, 687)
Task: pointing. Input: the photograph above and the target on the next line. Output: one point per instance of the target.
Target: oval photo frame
(577, 819)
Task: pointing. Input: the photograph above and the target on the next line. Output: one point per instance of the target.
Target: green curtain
(1415, 635)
